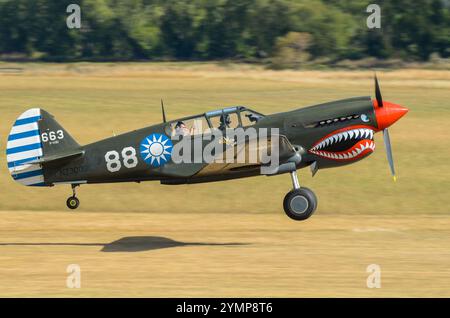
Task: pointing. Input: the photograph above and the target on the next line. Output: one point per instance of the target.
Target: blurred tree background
(285, 32)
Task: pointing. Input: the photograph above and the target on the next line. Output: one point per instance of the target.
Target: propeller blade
(387, 144)
(378, 92)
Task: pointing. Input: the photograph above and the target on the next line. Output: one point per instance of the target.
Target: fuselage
(330, 135)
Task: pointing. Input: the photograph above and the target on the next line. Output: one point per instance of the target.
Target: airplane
(40, 152)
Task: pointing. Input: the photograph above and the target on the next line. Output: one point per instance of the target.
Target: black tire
(72, 203)
(300, 204)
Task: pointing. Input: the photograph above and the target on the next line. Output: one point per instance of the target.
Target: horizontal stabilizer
(57, 157)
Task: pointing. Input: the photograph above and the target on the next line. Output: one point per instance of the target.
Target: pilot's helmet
(225, 119)
(179, 124)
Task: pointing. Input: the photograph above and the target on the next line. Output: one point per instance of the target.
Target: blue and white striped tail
(24, 145)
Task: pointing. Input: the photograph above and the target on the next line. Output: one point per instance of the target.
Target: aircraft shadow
(146, 243)
(131, 244)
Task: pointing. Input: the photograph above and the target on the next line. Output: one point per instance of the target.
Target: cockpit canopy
(230, 117)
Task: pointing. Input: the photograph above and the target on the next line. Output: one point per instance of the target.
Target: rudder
(34, 135)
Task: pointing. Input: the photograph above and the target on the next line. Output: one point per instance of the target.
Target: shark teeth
(346, 155)
(346, 135)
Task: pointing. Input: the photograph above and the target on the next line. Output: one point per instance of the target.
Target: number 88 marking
(113, 160)
(129, 160)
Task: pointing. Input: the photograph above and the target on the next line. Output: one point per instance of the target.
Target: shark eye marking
(334, 120)
(365, 118)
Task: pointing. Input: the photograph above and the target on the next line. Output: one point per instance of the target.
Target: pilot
(225, 121)
(181, 129)
(253, 117)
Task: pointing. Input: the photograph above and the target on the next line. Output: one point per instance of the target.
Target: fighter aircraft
(40, 152)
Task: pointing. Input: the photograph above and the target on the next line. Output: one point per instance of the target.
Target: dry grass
(236, 255)
(363, 217)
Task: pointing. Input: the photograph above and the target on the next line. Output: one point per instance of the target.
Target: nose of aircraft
(388, 114)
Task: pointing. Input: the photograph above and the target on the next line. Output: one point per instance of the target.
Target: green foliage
(291, 50)
(218, 29)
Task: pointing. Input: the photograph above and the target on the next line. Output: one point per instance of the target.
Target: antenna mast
(163, 112)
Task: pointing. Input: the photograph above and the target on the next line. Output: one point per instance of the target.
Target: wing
(249, 155)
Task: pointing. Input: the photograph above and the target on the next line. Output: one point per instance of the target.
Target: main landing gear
(300, 203)
(73, 202)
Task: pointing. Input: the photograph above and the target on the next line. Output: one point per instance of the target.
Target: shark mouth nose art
(350, 143)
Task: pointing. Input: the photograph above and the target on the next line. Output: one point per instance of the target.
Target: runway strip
(198, 255)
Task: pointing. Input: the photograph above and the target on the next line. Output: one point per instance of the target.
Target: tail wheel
(300, 204)
(72, 203)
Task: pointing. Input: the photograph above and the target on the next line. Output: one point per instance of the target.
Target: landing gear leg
(73, 202)
(294, 177)
(300, 203)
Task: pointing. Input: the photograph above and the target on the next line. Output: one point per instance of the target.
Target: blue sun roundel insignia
(156, 149)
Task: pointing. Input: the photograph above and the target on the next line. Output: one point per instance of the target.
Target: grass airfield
(239, 255)
(230, 238)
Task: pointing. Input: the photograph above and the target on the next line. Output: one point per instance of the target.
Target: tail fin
(35, 135)
(55, 139)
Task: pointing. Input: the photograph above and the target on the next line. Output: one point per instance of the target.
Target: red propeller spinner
(388, 114)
